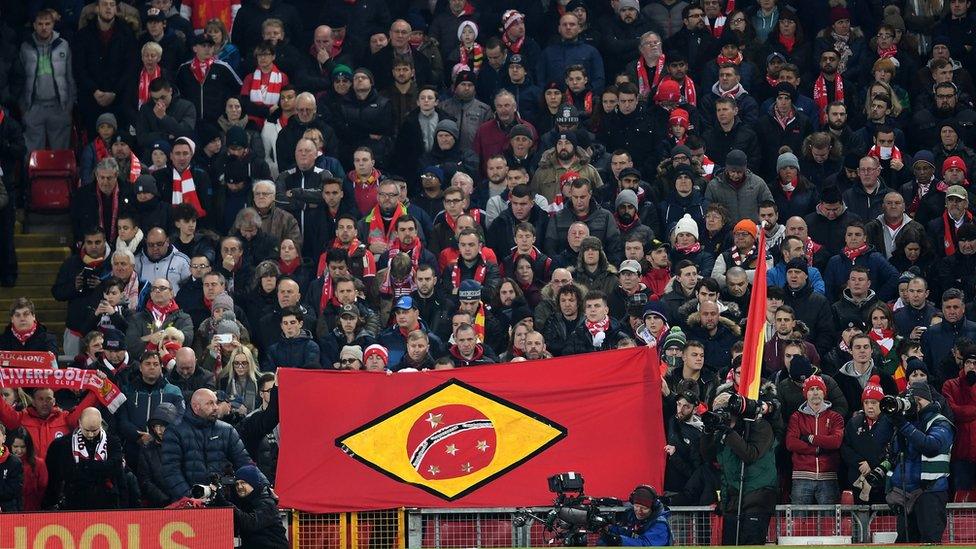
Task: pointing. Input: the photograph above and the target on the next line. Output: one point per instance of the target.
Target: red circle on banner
(451, 441)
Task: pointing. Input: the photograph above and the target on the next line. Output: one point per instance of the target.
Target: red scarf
(718, 26)
(326, 291)
(515, 46)
(199, 69)
(597, 327)
(160, 314)
(788, 42)
(771, 81)
(587, 101)
(890, 51)
(288, 267)
(741, 260)
(415, 251)
(688, 250)
(264, 88)
(184, 190)
(920, 192)
(721, 59)
(144, 79)
(472, 58)
(688, 91)
(23, 336)
(820, 93)
(644, 84)
(101, 151)
(949, 231)
(784, 121)
(853, 253)
(451, 222)
(876, 152)
(479, 273)
(135, 167)
(375, 222)
(100, 198)
(884, 338)
(810, 248)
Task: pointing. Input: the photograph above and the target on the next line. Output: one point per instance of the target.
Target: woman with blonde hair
(239, 377)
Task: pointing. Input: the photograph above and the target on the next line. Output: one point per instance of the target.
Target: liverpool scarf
(644, 84)
(75, 379)
(145, 77)
(185, 190)
(79, 451)
(949, 231)
(820, 94)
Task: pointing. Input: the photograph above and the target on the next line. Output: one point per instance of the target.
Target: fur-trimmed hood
(694, 320)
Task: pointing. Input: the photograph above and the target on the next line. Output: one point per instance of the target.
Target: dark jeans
(752, 531)
(927, 521)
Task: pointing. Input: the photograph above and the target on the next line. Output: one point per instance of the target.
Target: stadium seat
(52, 176)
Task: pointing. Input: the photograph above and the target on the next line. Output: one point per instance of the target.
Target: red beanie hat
(377, 349)
(679, 117)
(814, 381)
(954, 162)
(668, 90)
(873, 391)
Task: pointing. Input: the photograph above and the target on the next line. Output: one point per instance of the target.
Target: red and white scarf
(688, 91)
(820, 93)
(185, 190)
(739, 259)
(23, 336)
(326, 290)
(100, 197)
(473, 58)
(890, 51)
(135, 166)
(688, 250)
(737, 60)
(884, 338)
(415, 251)
(921, 190)
(79, 450)
(784, 121)
(145, 77)
(199, 69)
(265, 87)
(160, 314)
(513, 46)
(949, 231)
(733, 93)
(644, 84)
(809, 249)
(876, 152)
(597, 327)
(718, 26)
(480, 272)
(853, 253)
(396, 289)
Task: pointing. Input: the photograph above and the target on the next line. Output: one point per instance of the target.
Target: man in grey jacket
(46, 84)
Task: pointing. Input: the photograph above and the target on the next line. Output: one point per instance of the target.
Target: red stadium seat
(52, 176)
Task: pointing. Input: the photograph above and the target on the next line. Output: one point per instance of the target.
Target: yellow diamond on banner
(451, 440)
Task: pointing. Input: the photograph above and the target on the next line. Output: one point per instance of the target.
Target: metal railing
(691, 526)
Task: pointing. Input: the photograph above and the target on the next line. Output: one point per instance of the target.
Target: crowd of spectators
(404, 186)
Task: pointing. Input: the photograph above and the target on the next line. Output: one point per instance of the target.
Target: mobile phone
(923, 328)
(223, 338)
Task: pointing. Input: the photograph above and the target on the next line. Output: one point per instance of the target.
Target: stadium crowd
(403, 186)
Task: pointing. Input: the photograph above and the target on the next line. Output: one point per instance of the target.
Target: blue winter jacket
(561, 54)
(195, 449)
(396, 343)
(652, 532)
(777, 277)
(884, 277)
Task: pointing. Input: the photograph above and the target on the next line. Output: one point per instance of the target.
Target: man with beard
(398, 47)
(693, 42)
(839, 127)
(535, 346)
(566, 156)
(947, 107)
(830, 87)
(683, 430)
(378, 229)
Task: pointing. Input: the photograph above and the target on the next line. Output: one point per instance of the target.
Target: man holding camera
(919, 483)
(745, 451)
(645, 525)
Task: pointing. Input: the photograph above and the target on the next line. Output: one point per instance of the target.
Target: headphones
(647, 487)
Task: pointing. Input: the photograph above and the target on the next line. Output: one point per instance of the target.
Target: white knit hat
(472, 24)
(686, 225)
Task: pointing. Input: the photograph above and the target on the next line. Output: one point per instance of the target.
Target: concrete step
(33, 292)
(41, 303)
(32, 253)
(41, 240)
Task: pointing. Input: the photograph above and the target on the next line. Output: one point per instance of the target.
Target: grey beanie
(107, 118)
(228, 325)
(787, 160)
(223, 301)
(448, 126)
(626, 196)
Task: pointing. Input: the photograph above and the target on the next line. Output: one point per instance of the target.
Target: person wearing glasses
(350, 358)
(85, 468)
(146, 327)
(161, 259)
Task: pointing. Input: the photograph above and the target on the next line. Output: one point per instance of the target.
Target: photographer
(256, 519)
(732, 441)
(866, 438)
(644, 525)
(919, 484)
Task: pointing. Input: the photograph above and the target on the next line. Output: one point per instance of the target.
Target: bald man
(85, 467)
(199, 446)
(187, 377)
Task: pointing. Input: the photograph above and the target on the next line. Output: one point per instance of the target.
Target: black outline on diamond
(453, 381)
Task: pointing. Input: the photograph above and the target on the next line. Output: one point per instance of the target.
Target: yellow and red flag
(752, 351)
(484, 436)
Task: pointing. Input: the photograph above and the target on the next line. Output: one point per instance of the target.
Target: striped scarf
(185, 190)
(264, 88)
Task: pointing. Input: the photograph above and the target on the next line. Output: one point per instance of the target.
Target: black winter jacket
(151, 482)
(11, 483)
(87, 484)
(208, 98)
(197, 448)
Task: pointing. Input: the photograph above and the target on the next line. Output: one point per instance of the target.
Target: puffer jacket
(295, 352)
(915, 439)
(358, 119)
(60, 58)
(208, 98)
(546, 178)
(174, 267)
(44, 431)
(821, 459)
(884, 277)
(197, 448)
(961, 398)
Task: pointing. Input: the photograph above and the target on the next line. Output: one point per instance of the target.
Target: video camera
(574, 515)
(741, 407)
(208, 493)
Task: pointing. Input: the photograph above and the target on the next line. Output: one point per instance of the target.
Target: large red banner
(485, 436)
(172, 529)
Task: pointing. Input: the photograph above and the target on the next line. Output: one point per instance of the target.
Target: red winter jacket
(35, 483)
(961, 398)
(44, 430)
(820, 460)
